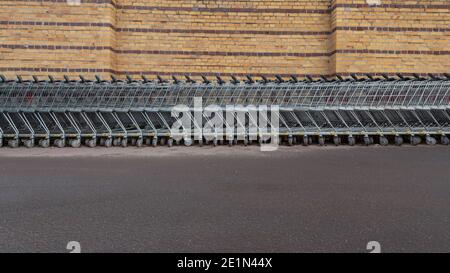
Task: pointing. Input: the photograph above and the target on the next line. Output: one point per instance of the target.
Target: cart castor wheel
(139, 142)
(321, 141)
(305, 141)
(187, 141)
(44, 143)
(429, 140)
(75, 143)
(398, 140)
(108, 142)
(124, 142)
(116, 141)
(383, 141)
(415, 140)
(351, 141)
(91, 143)
(29, 143)
(337, 140)
(60, 143)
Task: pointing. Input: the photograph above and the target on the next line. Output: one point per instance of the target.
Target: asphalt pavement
(202, 199)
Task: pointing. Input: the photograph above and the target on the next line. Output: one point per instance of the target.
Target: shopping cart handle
(188, 79)
(264, 79)
(175, 80)
(309, 78)
(400, 76)
(219, 80)
(294, 79)
(97, 77)
(370, 77)
(279, 79)
(205, 80)
(160, 80)
(129, 78)
(325, 79)
(144, 78)
(386, 77)
(234, 80)
(249, 79)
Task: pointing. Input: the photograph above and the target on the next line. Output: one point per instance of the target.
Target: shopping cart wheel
(58, 143)
(187, 142)
(383, 141)
(139, 142)
(75, 143)
(337, 140)
(200, 142)
(321, 141)
(124, 142)
(290, 140)
(415, 140)
(444, 140)
(116, 141)
(215, 142)
(351, 141)
(13, 143)
(245, 141)
(162, 141)
(429, 140)
(108, 142)
(44, 143)
(230, 142)
(305, 140)
(91, 143)
(154, 141)
(398, 140)
(29, 143)
(366, 140)
(170, 142)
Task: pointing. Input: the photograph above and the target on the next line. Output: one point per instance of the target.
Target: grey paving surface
(325, 199)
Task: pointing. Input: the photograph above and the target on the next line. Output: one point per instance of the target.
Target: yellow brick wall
(41, 37)
(416, 34)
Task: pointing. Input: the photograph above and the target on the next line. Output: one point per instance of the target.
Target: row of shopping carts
(354, 110)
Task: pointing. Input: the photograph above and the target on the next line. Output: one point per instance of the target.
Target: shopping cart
(134, 112)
